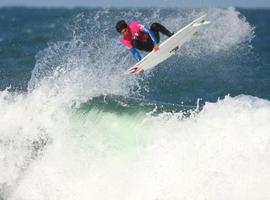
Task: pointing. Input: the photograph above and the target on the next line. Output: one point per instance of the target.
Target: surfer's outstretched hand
(156, 47)
(135, 70)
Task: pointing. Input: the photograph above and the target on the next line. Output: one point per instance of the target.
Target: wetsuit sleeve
(151, 34)
(136, 54)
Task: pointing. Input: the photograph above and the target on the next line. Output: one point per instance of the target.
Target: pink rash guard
(137, 33)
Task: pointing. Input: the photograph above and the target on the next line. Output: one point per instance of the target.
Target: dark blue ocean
(73, 125)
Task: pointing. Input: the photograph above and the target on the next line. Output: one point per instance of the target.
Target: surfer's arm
(136, 54)
(151, 34)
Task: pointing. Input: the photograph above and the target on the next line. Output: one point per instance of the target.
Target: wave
(95, 151)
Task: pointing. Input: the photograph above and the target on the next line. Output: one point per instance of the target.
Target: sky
(138, 3)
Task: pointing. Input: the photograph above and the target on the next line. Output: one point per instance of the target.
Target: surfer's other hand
(141, 71)
(156, 47)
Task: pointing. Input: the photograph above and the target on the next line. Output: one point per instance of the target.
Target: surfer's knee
(155, 26)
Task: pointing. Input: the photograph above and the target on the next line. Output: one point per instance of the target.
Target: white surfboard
(168, 47)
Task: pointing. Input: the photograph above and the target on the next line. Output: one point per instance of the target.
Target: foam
(222, 152)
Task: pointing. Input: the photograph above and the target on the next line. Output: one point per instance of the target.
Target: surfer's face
(125, 32)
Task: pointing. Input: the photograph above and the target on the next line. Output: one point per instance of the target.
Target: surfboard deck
(168, 47)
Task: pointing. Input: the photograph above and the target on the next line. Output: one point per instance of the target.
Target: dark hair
(120, 25)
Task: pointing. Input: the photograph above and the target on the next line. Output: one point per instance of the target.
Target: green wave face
(120, 125)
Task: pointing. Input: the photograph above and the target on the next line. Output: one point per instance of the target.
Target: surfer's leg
(143, 45)
(156, 28)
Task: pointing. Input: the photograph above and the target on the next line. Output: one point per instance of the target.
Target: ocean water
(74, 126)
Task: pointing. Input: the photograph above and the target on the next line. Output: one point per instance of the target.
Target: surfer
(136, 36)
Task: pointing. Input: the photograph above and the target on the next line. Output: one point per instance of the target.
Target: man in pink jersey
(136, 36)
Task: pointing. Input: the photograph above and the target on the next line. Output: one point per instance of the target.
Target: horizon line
(128, 7)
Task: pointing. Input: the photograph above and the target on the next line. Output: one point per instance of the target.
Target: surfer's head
(122, 27)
